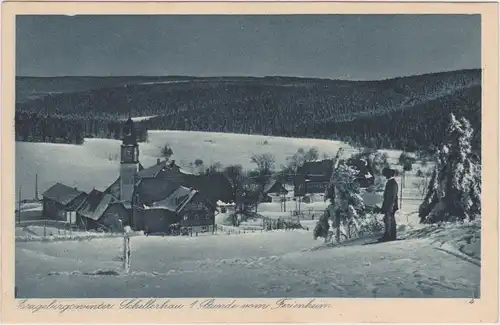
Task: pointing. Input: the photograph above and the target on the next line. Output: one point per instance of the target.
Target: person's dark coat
(390, 204)
(389, 208)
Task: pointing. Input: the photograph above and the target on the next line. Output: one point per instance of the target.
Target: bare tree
(311, 155)
(234, 173)
(167, 151)
(214, 168)
(265, 163)
(302, 156)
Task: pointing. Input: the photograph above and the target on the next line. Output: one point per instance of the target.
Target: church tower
(129, 162)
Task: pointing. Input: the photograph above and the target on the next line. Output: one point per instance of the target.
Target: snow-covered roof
(220, 203)
(152, 171)
(175, 202)
(275, 187)
(62, 193)
(183, 171)
(95, 205)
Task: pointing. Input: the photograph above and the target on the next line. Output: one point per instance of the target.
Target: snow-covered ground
(140, 118)
(29, 211)
(48, 230)
(268, 264)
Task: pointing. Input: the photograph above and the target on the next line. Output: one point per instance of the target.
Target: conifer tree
(454, 191)
(322, 226)
(346, 202)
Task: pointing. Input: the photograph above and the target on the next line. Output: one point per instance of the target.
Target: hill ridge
(290, 107)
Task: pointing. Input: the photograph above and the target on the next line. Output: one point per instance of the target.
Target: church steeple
(129, 133)
(129, 164)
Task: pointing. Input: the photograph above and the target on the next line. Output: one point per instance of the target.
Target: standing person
(390, 205)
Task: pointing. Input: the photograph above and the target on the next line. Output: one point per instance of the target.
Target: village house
(100, 210)
(225, 207)
(275, 191)
(314, 177)
(60, 200)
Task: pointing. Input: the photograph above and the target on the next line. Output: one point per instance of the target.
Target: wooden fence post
(126, 253)
(401, 191)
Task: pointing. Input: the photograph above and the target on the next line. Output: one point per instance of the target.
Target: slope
(274, 264)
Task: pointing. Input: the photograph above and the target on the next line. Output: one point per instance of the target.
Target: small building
(100, 210)
(184, 207)
(225, 207)
(313, 177)
(275, 187)
(60, 199)
(274, 191)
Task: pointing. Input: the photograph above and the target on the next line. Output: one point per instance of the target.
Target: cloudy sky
(328, 46)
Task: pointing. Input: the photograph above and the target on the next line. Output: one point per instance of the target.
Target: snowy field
(96, 162)
(268, 264)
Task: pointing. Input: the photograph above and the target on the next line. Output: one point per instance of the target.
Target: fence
(236, 231)
(52, 230)
(307, 214)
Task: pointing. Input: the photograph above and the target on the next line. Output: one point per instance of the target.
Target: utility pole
(284, 202)
(401, 191)
(36, 187)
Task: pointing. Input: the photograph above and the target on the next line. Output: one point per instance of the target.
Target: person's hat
(388, 172)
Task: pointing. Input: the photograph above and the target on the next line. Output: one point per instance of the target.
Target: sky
(355, 47)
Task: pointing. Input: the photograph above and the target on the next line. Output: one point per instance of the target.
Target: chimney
(158, 161)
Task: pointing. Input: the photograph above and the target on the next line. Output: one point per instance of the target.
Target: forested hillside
(422, 125)
(404, 113)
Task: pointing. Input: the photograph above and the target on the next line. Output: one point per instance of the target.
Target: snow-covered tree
(376, 159)
(407, 160)
(454, 191)
(346, 202)
(322, 226)
(379, 161)
(330, 191)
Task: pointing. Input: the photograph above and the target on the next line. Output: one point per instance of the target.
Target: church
(161, 199)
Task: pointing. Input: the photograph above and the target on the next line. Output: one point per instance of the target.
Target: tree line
(31, 127)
